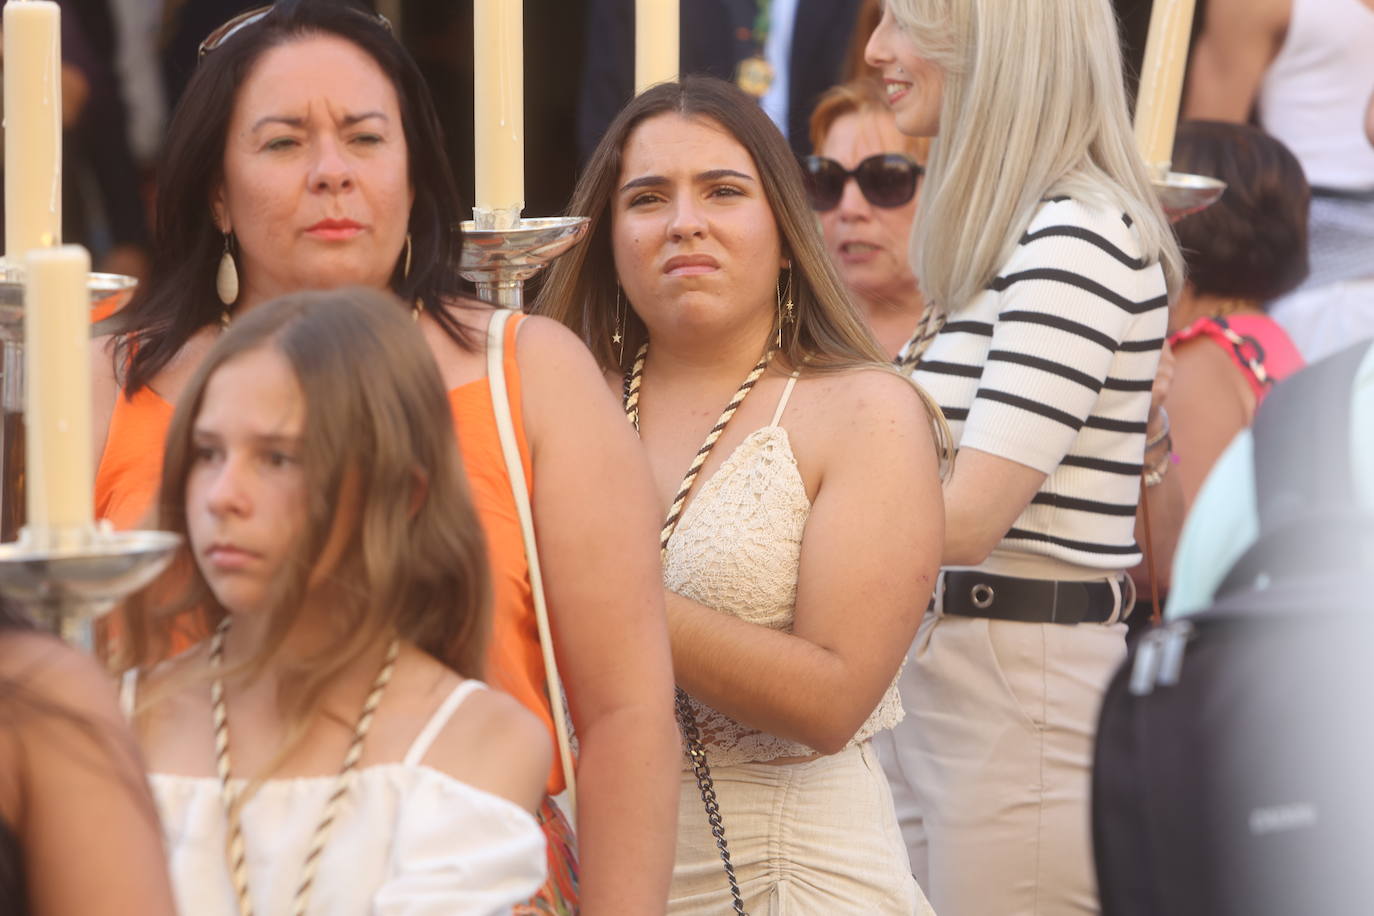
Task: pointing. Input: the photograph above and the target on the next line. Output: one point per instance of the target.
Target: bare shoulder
(541, 339)
(57, 676)
(1204, 374)
(865, 396)
(495, 744)
(1256, 15)
(564, 388)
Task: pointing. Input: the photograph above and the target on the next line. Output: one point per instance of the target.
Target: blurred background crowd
(126, 63)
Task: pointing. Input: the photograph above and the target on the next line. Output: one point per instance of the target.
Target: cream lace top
(737, 549)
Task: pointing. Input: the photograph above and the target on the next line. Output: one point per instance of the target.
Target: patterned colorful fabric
(559, 896)
(1259, 347)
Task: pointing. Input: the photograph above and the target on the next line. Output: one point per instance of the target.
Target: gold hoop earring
(618, 332)
(227, 280)
(405, 271)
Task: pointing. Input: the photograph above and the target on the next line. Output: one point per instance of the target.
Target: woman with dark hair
(305, 154)
(78, 830)
(1243, 252)
(795, 573)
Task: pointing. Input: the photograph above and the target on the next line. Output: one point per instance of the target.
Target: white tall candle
(1161, 81)
(656, 42)
(498, 30)
(33, 126)
(57, 344)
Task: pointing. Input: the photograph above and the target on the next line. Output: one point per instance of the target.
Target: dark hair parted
(179, 297)
(387, 495)
(1252, 243)
(580, 290)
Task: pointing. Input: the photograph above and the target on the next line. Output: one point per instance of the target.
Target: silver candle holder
(67, 580)
(1181, 194)
(500, 260)
(64, 579)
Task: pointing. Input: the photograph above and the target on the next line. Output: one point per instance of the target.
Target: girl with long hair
(802, 541)
(329, 747)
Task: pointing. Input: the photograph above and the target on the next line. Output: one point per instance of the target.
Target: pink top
(1258, 346)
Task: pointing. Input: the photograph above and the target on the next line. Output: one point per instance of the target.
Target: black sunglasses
(243, 20)
(886, 180)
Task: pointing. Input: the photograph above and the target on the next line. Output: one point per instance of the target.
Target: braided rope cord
(234, 849)
(931, 323)
(235, 846)
(696, 753)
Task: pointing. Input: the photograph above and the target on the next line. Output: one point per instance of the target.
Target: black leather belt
(969, 593)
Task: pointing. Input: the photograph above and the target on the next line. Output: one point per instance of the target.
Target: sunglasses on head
(886, 180)
(243, 20)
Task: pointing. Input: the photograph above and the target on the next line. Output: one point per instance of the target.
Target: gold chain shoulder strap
(234, 847)
(696, 752)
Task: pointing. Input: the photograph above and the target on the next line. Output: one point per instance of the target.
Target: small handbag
(515, 470)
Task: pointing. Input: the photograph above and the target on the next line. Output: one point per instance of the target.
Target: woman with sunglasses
(306, 154)
(863, 183)
(1046, 264)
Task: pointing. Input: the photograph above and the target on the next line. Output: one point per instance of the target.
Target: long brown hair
(381, 461)
(581, 290)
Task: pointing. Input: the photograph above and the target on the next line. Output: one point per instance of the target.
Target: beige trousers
(990, 769)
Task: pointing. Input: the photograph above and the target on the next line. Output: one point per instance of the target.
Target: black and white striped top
(1051, 367)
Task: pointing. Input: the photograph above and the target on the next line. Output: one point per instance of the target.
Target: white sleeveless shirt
(1316, 91)
(737, 549)
(409, 840)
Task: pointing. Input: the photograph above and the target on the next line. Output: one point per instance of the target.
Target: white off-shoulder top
(410, 840)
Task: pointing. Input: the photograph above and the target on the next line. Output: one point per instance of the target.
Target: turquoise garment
(1224, 523)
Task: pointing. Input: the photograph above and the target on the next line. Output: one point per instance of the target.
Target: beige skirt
(810, 838)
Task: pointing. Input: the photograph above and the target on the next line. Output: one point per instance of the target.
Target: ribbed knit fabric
(1051, 367)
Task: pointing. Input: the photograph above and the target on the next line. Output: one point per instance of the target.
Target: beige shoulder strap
(786, 396)
(515, 470)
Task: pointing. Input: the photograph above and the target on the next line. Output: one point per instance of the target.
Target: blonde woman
(803, 539)
(1046, 264)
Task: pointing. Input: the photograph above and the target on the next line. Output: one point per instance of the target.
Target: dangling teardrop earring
(405, 270)
(227, 280)
(618, 332)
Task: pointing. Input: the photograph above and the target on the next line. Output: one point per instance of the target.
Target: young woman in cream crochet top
(800, 550)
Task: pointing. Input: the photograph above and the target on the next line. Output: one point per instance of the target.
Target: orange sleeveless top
(130, 472)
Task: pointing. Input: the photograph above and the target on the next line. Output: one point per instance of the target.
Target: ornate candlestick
(499, 261)
(65, 572)
(105, 291)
